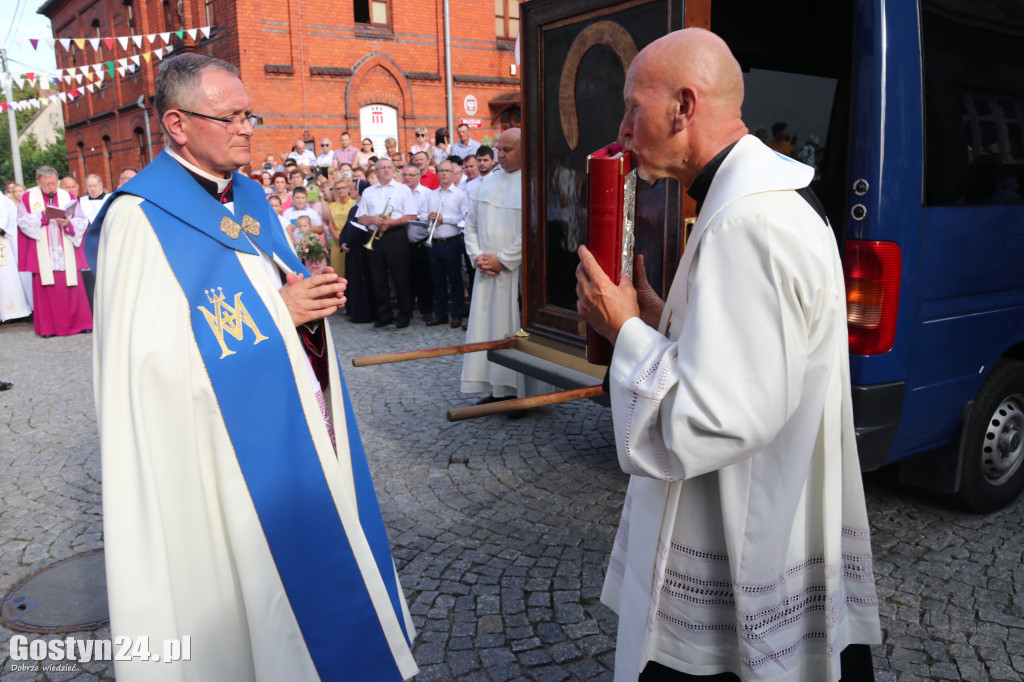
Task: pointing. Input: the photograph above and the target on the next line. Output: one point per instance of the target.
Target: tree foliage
(32, 154)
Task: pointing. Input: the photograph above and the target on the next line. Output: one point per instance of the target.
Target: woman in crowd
(280, 182)
(422, 143)
(266, 179)
(365, 154)
(360, 306)
(335, 217)
(442, 150)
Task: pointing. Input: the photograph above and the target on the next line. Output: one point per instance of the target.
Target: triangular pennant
(31, 76)
(100, 76)
(99, 67)
(65, 43)
(159, 52)
(67, 79)
(63, 96)
(75, 93)
(123, 62)
(34, 103)
(131, 68)
(20, 82)
(166, 37)
(192, 33)
(80, 42)
(35, 43)
(20, 42)
(180, 34)
(78, 78)
(205, 30)
(145, 55)
(95, 42)
(52, 98)
(90, 87)
(123, 40)
(3, 106)
(89, 76)
(151, 38)
(138, 41)
(135, 60)
(120, 72)
(50, 42)
(110, 68)
(109, 42)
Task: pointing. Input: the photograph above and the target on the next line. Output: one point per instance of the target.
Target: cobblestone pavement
(501, 529)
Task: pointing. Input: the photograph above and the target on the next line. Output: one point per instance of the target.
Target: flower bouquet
(311, 250)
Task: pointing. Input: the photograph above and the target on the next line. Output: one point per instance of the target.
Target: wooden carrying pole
(460, 413)
(422, 353)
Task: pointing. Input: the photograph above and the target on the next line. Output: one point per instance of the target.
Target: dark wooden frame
(536, 16)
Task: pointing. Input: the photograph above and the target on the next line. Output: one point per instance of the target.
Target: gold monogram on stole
(230, 319)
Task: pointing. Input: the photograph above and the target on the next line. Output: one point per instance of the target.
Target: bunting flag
(94, 42)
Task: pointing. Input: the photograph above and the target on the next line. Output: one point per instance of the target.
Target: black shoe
(516, 414)
(491, 399)
(402, 324)
(382, 323)
(6, 385)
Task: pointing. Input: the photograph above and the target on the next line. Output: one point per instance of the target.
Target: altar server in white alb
(743, 551)
(494, 242)
(238, 509)
(14, 294)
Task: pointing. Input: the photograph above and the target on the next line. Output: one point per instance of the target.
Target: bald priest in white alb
(744, 550)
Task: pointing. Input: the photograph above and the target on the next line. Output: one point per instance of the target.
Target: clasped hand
(313, 298)
(607, 307)
(489, 264)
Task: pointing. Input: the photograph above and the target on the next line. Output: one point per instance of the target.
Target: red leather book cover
(607, 169)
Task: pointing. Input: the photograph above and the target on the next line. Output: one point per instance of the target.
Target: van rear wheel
(992, 450)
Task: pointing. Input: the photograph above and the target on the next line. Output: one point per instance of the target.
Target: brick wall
(307, 66)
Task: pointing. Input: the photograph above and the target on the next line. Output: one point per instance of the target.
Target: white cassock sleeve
(471, 234)
(734, 377)
(512, 255)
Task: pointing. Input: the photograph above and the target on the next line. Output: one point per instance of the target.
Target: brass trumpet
(433, 225)
(376, 230)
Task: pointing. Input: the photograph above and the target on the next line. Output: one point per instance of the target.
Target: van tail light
(872, 272)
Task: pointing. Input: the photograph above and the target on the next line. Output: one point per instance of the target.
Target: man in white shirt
(485, 160)
(326, 158)
(470, 174)
(304, 158)
(744, 550)
(419, 265)
(466, 146)
(95, 196)
(386, 208)
(447, 245)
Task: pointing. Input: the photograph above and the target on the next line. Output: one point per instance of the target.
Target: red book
(610, 230)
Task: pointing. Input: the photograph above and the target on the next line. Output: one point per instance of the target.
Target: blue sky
(18, 18)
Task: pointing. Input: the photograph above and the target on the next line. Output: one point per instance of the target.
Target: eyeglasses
(325, 144)
(421, 134)
(235, 122)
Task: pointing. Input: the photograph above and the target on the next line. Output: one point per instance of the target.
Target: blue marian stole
(247, 363)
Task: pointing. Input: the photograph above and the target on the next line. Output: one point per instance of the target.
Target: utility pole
(19, 177)
(141, 103)
(448, 71)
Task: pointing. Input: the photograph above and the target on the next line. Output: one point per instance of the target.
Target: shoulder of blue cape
(165, 183)
(752, 168)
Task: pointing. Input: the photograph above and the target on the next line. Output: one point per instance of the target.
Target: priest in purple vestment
(51, 249)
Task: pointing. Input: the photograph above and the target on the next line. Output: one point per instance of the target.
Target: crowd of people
(402, 250)
(43, 273)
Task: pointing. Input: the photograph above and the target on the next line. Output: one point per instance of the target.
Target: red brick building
(320, 66)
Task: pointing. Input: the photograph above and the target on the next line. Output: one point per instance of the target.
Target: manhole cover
(69, 596)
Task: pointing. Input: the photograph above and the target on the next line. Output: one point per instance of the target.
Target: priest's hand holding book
(607, 307)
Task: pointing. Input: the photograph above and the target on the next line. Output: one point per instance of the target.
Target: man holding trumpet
(387, 207)
(444, 209)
